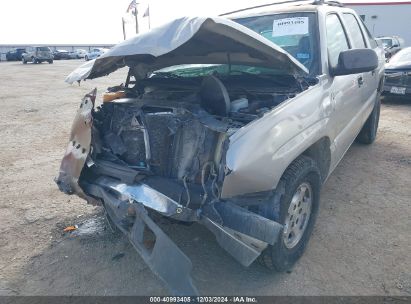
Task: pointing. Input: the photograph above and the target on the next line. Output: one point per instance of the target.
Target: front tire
(368, 132)
(50, 61)
(23, 61)
(298, 204)
(86, 58)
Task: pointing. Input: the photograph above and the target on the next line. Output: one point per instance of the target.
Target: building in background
(385, 18)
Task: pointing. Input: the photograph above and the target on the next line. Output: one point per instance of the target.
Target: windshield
(42, 48)
(294, 32)
(386, 42)
(201, 70)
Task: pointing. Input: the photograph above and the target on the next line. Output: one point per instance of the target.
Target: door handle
(360, 81)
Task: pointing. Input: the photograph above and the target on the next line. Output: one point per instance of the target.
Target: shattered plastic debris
(70, 228)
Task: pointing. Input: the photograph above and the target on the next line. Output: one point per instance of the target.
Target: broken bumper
(242, 233)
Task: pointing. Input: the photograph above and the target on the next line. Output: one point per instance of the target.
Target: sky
(96, 21)
(92, 21)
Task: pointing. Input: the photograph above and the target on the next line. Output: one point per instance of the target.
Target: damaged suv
(234, 123)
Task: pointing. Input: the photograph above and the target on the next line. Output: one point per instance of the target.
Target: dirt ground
(361, 243)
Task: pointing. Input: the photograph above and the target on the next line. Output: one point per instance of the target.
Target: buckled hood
(191, 40)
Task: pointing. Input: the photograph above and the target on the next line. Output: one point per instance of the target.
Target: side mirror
(355, 61)
(395, 45)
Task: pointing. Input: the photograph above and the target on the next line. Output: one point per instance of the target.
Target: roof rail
(295, 2)
(329, 2)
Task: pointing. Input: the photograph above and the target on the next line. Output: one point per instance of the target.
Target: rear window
(355, 31)
(294, 32)
(373, 42)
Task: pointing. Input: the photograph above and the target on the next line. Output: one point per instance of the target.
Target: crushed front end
(160, 143)
(161, 150)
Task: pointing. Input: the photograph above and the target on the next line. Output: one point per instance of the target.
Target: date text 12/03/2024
(204, 299)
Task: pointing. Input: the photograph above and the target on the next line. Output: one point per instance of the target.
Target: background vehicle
(37, 54)
(80, 53)
(14, 55)
(391, 45)
(398, 74)
(234, 124)
(73, 55)
(94, 53)
(61, 54)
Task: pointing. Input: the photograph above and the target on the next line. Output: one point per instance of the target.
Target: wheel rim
(298, 215)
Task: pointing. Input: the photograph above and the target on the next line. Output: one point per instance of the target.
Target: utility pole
(124, 28)
(149, 16)
(136, 13)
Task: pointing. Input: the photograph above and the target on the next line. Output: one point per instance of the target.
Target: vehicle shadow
(93, 260)
(98, 261)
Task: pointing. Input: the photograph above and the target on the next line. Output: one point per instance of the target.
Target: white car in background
(80, 53)
(94, 53)
(391, 45)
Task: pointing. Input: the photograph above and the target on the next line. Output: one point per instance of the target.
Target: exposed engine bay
(174, 132)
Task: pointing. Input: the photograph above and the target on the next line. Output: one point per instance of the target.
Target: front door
(345, 91)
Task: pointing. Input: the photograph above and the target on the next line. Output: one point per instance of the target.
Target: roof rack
(291, 2)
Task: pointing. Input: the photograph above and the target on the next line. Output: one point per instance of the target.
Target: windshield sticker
(303, 56)
(290, 26)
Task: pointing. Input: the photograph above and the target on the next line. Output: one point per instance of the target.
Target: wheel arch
(320, 152)
(381, 84)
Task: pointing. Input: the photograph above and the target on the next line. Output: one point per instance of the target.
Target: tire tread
(289, 178)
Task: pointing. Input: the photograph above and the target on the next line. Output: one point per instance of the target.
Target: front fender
(257, 158)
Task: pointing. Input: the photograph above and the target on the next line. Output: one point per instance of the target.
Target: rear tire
(368, 132)
(50, 61)
(301, 184)
(86, 58)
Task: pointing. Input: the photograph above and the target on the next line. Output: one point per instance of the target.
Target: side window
(395, 42)
(355, 31)
(336, 39)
